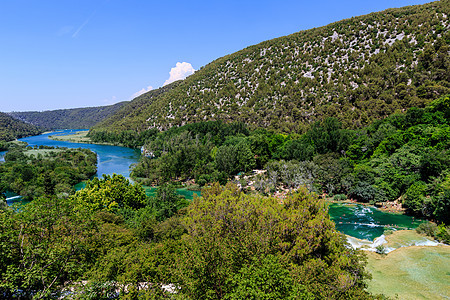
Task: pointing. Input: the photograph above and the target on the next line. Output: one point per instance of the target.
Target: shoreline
(79, 137)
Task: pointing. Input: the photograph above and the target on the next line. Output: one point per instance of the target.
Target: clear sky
(76, 53)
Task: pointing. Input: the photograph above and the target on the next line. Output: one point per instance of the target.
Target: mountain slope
(11, 128)
(357, 70)
(76, 118)
(131, 115)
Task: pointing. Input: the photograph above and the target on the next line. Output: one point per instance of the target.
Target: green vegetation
(404, 156)
(11, 129)
(235, 240)
(35, 172)
(76, 118)
(225, 245)
(358, 70)
(440, 233)
(79, 137)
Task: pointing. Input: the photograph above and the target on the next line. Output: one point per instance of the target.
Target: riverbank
(78, 137)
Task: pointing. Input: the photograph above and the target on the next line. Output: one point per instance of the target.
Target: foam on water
(367, 245)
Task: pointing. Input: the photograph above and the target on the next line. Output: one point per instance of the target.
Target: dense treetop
(357, 70)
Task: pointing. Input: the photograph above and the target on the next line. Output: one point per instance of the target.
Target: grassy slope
(417, 272)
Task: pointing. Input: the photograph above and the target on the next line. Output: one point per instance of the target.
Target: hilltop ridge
(358, 70)
(74, 118)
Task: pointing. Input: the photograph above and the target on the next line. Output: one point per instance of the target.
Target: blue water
(355, 220)
(110, 159)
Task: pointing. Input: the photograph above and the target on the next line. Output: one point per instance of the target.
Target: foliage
(32, 173)
(111, 193)
(441, 232)
(340, 197)
(11, 129)
(42, 246)
(380, 249)
(427, 228)
(266, 279)
(228, 231)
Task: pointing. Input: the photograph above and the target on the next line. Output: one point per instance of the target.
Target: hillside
(358, 70)
(11, 128)
(76, 118)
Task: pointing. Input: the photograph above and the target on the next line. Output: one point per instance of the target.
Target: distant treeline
(76, 118)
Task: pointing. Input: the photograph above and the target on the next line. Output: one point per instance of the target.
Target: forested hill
(357, 70)
(11, 128)
(76, 118)
(130, 115)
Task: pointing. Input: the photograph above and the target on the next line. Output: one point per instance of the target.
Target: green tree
(229, 230)
(111, 193)
(42, 246)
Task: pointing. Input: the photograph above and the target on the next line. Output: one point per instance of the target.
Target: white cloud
(111, 101)
(143, 91)
(181, 71)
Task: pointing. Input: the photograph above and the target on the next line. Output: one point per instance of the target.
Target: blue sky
(78, 53)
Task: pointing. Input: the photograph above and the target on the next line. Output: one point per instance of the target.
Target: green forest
(404, 156)
(109, 241)
(355, 110)
(39, 171)
(11, 129)
(75, 118)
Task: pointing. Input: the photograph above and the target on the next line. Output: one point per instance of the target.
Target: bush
(340, 197)
(443, 233)
(427, 228)
(381, 249)
(363, 191)
(246, 245)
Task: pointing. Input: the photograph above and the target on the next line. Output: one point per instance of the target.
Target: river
(110, 159)
(362, 222)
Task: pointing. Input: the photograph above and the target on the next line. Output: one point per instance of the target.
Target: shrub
(381, 249)
(427, 228)
(443, 233)
(340, 197)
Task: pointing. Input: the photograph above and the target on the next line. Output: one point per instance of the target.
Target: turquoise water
(368, 222)
(363, 222)
(151, 192)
